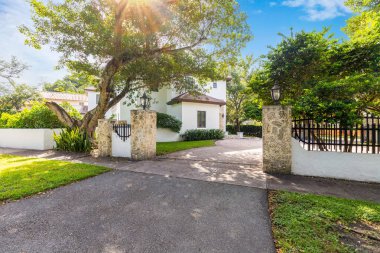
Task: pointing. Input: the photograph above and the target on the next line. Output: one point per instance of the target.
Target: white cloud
(42, 62)
(318, 10)
(257, 12)
(272, 4)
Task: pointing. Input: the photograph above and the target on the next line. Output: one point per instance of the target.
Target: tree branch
(62, 115)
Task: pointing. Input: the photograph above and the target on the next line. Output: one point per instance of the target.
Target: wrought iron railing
(122, 130)
(325, 136)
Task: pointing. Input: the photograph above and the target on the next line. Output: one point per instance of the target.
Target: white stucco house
(205, 111)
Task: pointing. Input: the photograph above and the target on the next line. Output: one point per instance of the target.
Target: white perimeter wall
(167, 135)
(189, 115)
(36, 139)
(120, 148)
(350, 166)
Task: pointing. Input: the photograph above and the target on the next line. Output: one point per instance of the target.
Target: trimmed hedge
(248, 130)
(168, 121)
(203, 134)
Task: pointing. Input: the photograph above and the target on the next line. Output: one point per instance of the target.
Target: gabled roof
(48, 95)
(201, 98)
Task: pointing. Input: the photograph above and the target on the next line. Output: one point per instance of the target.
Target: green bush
(73, 140)
(248, 130)
(168, 121)
(38, 116)
(203, 134)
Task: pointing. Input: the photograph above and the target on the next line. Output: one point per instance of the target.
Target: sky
(266, 19)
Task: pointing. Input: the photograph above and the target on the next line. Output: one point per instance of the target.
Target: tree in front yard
(133, 45)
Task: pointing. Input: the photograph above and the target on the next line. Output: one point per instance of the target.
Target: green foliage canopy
(241, 106)
(167, 121)
(75, 82)
(136, 45)
(322, 78)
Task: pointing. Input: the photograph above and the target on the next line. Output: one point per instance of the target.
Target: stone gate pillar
(104, 137)
(143, 134)
(277, 137)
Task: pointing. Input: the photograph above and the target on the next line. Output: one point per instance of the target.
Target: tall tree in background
(322, 78)
(237, 92)
(75, 82)
(13, 96)
(132, 45)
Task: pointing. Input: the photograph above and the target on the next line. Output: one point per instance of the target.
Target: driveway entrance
(233, 161)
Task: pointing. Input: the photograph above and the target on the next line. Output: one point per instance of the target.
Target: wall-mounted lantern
(276, 93)
(145, 101)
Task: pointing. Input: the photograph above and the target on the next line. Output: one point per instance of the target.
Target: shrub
(73, 140)
(203, 134)
(38, 116)
(248, 130)
(168, 121)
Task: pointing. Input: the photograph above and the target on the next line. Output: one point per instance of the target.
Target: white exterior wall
(189, 119)
(175, 111)
(220, 92)
(35, 139)
(349, 166)
(186, 112)
(120, 148)
(167, 135)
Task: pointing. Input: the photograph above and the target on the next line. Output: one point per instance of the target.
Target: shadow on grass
(31, 176)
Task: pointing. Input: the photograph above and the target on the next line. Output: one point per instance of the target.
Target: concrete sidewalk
(236, 162)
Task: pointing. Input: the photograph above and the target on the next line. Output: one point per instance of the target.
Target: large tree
(322, 78)
(136, 44)
(237, 91)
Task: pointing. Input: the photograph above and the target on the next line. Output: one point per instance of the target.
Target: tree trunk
(90, 119)
(62, 115)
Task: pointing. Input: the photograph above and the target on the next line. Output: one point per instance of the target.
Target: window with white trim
(201, 119)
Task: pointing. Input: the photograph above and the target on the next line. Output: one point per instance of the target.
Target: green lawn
(311, 223)
(164, 148)
(23, 176)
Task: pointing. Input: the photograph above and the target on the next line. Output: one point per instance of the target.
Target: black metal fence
(122, 130)
(325, 136)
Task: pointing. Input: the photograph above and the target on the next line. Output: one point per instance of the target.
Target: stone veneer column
(104, 137)
(277, 137)
(143, 134)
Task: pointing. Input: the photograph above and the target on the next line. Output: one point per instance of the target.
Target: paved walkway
(231, 161)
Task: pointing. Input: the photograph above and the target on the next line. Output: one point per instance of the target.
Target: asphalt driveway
(123, 211)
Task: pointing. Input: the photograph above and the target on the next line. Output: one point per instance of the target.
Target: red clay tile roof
(63, 96)
(201, 98)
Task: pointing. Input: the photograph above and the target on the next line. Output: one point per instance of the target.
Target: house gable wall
(189, 118)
